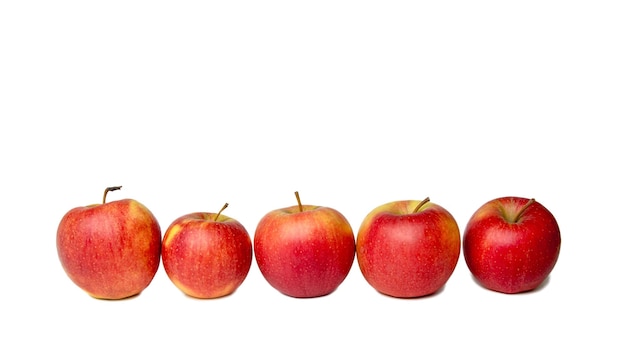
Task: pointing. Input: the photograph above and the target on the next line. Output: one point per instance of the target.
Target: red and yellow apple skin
(306, 253)
(110, 250)
(511, 244)
(207, 255)
(406, 253)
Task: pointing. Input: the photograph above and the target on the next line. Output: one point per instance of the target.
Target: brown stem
(218, 214)
(299, 203)
(519, 214)
(106, 191)
(421, 204)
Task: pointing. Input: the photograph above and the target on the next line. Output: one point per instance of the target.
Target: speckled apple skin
(207, 255)
(508, 256)
(111, 250)
(407, 254)
(304, 254)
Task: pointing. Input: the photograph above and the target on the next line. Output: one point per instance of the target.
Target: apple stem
(220, 212)
(106, 191)
(421, 204)
(519, 214)
(299, 203)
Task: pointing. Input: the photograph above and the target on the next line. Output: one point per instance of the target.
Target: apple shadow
(117, 300)
(535, 290)
(430, 295)
(207, 299)
(308, 297)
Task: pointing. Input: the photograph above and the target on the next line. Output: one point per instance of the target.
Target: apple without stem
(110, 250)
(408, 248)
(511, 244)
(304, 251)
(207, 255)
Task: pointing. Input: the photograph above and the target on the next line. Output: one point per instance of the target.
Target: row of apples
(404, 249)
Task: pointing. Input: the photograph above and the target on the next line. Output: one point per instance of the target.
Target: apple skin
(110, 250)
(306, 253)
(511, 256)
(406, 254)
(206, 257)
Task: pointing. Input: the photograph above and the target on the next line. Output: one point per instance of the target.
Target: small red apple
(110, 250)
(304, 251)
(511, 244)
(207, 255)
(408, 248)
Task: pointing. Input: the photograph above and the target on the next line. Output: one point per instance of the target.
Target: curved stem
(106, 191)
(220, 212)
(421, 204)
(519, 214)
(299, 203)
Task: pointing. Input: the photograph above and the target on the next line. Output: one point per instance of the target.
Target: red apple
(304, 250)
(408, 248)
(207, 255)
(511, 244)
(110, 250)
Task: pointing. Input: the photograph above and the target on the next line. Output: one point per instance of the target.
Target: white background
(191, 104)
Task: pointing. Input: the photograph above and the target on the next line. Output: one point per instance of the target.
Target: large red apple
(207, 255)
(110, 250)
(511, 244)
(408, 248)
(304, 250)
